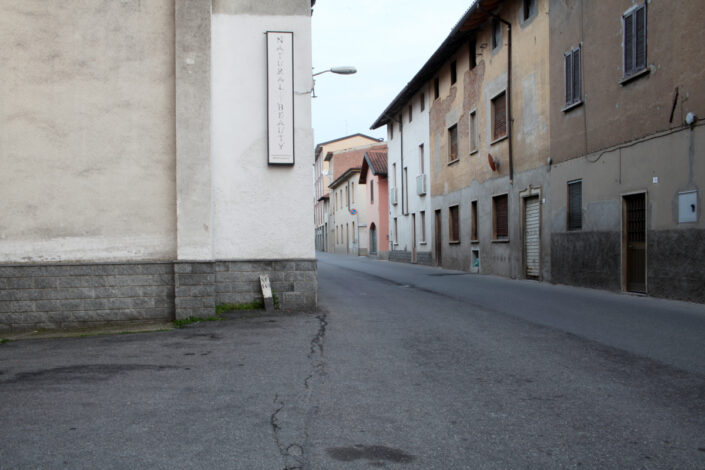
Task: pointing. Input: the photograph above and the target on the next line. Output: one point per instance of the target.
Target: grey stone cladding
(404, 256)
(84, 295)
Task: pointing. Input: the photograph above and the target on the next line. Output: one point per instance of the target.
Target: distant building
(348, 206)
(135, 180)
(322, 178)
(373, 177)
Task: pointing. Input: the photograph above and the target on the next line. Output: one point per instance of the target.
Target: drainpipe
(510, 120)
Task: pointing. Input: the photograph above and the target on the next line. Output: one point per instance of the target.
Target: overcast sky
(388, 41)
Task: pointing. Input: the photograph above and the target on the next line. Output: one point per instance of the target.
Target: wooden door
(413, 238)
(439, 238)
(634, 242)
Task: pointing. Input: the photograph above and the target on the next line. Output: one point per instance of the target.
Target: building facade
(135, 141)
(409, 228)
(373, 175)
(488, 142)
(348, 207)
(321, 181)
(628, 146)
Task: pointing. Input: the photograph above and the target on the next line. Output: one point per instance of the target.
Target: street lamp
(342, 70)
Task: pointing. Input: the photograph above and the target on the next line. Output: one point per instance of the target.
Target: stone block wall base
(82, 295)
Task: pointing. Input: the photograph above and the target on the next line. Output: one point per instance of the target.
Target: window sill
(500, 240)
(498, 139)
(422, 243)
(454, 242)
(572, 106)
(473, 152)
(645, 71)
(474, 242)
(453, 161)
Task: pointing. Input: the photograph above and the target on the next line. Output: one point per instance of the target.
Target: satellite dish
(492, 163)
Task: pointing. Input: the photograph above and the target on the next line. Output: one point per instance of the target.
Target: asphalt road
(403, 367)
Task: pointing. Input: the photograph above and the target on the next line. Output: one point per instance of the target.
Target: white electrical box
(687, 207)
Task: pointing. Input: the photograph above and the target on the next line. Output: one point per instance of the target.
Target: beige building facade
(133, 140)
(628, 146)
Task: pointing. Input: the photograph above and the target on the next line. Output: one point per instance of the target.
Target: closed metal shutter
(531, 236)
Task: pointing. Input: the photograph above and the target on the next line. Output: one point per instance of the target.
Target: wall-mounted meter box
(687, 207)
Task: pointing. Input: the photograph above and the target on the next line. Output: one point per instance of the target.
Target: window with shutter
(499, 116)
(453, 143)
(573, 79)
(453, 224)
(575, 205)
(635, 41)
(500, 205)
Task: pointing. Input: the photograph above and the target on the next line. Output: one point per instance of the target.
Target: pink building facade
(373, 175)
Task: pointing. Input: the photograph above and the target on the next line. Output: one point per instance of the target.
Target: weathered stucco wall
(87, 141)
(253, 213)
(612, 112)
(470, 177)
(675, 251)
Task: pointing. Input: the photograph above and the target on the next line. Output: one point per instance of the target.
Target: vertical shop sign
(280, 97)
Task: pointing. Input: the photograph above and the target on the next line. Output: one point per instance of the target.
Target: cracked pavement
(403, 367)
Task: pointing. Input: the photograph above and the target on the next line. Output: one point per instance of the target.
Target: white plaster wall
(260, 211)
(87, 166)
(416, 132)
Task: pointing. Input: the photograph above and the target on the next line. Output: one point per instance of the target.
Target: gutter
(510, 119)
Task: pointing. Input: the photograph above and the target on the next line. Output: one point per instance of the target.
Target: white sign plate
(280, 97)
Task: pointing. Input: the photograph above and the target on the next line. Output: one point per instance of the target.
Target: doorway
(439, 238)
(373, 239)
(634, 242)
(532, 237)
(413, 238)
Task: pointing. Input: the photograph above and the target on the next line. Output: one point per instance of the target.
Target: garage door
(531, 236)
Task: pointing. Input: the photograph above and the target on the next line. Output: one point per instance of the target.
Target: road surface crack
(290, 423)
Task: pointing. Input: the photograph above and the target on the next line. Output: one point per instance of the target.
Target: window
(500, 211)
(347, 197)
(372, 191)
(396, 232)
(453, 143)
(409, 113)
(436, 88)
(529, 8)
(572, 76)
(391, 130)
(499, 116)
(453, 73)
(394, 175)
(354, 238)
(496, 33)
(473, 221)
(473, 53)
(634, 41)
(473, 131)
(453, 224)
(421, 164)
(422, 220)
(352, 191)
(422, 99)
(575, 205)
